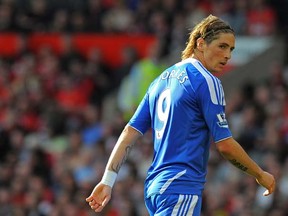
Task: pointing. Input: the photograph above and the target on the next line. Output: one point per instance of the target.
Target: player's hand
(267, 180)
(99, 197)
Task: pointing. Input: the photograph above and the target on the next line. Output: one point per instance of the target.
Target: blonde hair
(209, 29)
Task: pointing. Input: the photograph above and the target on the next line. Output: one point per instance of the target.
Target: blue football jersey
(185, 107)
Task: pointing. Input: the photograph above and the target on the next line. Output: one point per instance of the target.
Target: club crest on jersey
(222, 120)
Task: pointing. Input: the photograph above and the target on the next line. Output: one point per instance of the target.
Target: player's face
(217, 53)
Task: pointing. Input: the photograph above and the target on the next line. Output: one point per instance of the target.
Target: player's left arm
(232, 151)
(213, 107)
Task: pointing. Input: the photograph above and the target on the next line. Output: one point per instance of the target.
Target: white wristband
(109, 178)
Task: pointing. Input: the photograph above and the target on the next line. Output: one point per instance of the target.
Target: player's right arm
(101, 193)
(136, 127)
(231, 150)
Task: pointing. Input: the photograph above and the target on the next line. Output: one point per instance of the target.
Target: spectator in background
(222, 9)
(5, 205)
(6, 17)
(261, 19)
(39, 15)
(71, 95)
(69, 54)
(93, 130)
(159, 26)
(60, 21)
(101, 75)
(129, 57)
(178, 37)
(118, 19)
(143, 72)
(194, 12)
(239, 17)
(95, 12)
(77, 22)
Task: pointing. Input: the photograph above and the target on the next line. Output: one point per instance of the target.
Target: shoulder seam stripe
(216, 92)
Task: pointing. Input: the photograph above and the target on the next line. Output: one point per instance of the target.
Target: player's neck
(198, 56)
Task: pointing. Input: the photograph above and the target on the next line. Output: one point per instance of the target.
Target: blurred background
(72, 73)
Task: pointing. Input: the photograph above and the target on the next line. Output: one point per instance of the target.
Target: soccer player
(185, 107)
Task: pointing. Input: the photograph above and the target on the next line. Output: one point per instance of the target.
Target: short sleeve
(212, 104)
(141, 120)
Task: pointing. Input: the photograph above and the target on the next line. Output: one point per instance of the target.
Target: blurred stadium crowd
(55, 141)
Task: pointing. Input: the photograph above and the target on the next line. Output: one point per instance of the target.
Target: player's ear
(200, 43)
